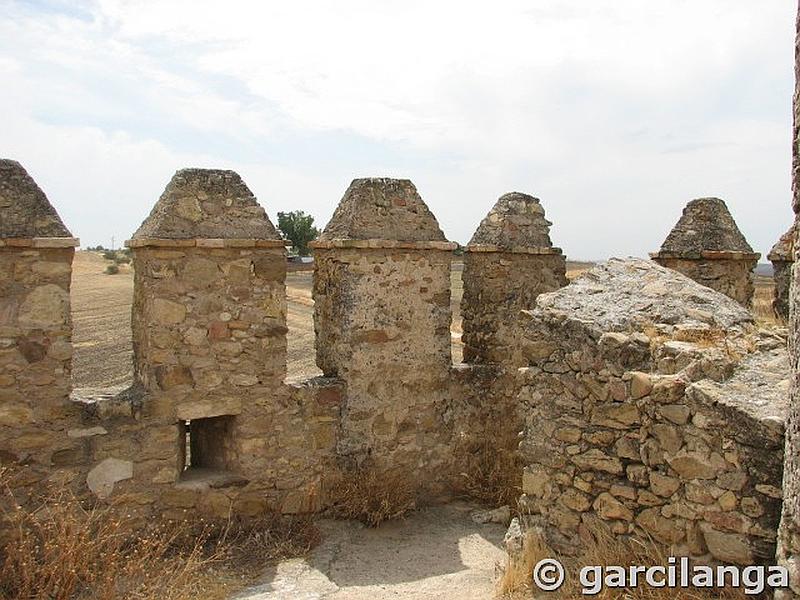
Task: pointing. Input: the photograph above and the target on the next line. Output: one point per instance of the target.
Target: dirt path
(436, 554)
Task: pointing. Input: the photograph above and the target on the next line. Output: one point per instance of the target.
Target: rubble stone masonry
(508, 262)
(651, 405)
(38, 425)
(789, 534)
(382, 318)
(654, 408)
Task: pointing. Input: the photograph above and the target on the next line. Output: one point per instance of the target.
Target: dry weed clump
(491, 466)
(61, 550)
(370, 496)
(600, 548)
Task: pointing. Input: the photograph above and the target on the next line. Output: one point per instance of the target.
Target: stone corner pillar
(382, 320)
(36, 252)
(209, 321)
(781, 257)
(707, 246)
(508, 262)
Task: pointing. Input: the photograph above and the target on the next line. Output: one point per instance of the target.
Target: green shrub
(112, 270)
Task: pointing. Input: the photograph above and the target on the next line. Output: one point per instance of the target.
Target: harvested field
(762, 300)
(101, 306)
(101, 315)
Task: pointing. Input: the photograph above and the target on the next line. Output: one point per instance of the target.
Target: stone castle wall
(498, 286)
(789, 534)
(508, 262)
(382, 317)
(782, 257)
(38, 425)
(656, 429)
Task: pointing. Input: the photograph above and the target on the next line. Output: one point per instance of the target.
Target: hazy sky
(614, 112)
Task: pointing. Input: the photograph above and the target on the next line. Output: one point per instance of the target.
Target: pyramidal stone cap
(206, 204)
(25, 211)
(516, 223)
(382, 212)
(782, 250)
(705, 229)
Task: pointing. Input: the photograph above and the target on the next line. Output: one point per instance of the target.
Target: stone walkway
(436, 554)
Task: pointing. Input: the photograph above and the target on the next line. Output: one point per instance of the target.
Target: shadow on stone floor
(435, 552)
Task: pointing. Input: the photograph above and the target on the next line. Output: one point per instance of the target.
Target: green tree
(298, 227)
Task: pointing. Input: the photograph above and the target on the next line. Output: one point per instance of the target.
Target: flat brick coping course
(40, 242)
(383, 244)
(709, 254)
(511, 250)
(206, 243)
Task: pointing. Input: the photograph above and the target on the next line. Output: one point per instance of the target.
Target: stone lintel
(40, 242)
(512, 250)
(382, 244)
(204, 409)
(709, 255)
(206, 243)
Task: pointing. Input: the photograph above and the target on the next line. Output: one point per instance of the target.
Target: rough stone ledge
(206, 243)
(113, 403)
(758, 389)
(40, 242)
(511, 250)
(709, 254)
(381, 244)
(318, 381)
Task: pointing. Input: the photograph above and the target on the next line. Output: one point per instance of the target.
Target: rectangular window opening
(206, 448)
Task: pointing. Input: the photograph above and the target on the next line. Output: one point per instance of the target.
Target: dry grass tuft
(370, 496)
(492, 468)
(247, 545)
(63, 551)
(516, 579)
(600, 548)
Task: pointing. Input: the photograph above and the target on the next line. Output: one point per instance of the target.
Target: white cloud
(602, 109)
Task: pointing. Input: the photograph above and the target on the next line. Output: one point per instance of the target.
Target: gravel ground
(436, 553)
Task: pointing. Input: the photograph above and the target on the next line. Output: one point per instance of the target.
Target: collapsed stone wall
(654, 408)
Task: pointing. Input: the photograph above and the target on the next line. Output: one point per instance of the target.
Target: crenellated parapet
(382, 318)
(508, 262)
(209, 426)
(38, 425)
(707, 246)
(639, 390)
